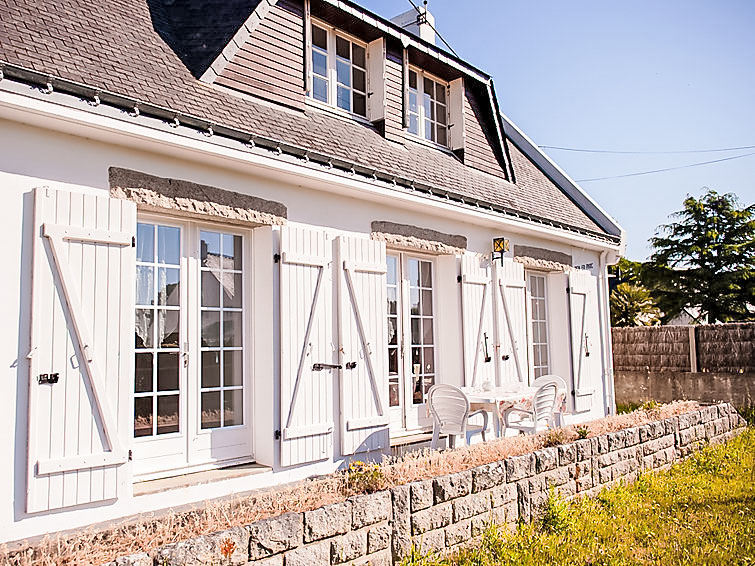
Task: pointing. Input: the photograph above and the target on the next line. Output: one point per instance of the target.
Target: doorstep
(150, 487)
(401, 445)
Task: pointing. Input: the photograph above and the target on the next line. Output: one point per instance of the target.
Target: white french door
(191, 390)
(411, 339)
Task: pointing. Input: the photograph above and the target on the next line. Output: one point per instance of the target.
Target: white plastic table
(490, 400)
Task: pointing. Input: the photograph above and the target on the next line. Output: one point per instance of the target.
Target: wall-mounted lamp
(500, 246)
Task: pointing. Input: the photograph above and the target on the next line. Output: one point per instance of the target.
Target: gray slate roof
(151, 50)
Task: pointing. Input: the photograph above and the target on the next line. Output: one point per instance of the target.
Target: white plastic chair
(560, 395)
(541, 415)
(449, 408)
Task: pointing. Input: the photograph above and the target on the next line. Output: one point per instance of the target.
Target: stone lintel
(192, 200)
(406, 236)
(542, 258)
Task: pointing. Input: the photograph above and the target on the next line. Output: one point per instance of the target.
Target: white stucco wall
(32, 157)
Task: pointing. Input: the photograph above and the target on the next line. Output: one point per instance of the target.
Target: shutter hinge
(130, 455)
(458, 278)
(133, 241)
(277, 435)
(276, 258)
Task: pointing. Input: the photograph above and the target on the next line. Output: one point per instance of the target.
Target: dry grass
(149, 533)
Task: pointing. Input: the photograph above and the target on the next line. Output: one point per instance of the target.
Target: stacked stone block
(442, 513)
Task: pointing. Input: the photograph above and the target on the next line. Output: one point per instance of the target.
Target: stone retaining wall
(442, 513)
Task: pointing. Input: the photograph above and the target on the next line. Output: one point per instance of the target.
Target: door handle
(320, 367)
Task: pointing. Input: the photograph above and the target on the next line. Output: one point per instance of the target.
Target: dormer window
(428, 109)
(339, 70)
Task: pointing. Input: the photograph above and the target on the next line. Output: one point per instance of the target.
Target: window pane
(429, 131)
(417, 393)
(232, 408)
(167, 371)
(143, 416)
(414, 302)
(414, 272)
(358, 55)
(413, 102)
(319, 37)
(427, 331)
(343, 47)
(210, 289)
(209, 245)
(232, 368)
(211, 409)
(168, 287)
(428, 360)
(392, 332)
(168, 244)
(343, 72)
(167, 414)
(412, 79)
(440, 93)
(413, 124)
(145, 285)
(232, 252)
(143, 377)
(360, 104)
(211, 329)
(427, 103)
(144, 328)
(392, 301)
(427, 302)
(210, 369)
(232, 290)
(440, 114)
(428, 87)
(426, 271)
(344, 98)
(416, 337)
(442, 135)
(360, 80)
(232, 328)
(145, 242)
(167, 329)
(319, 63)
(392, 361)
(393, 393)
(320, 89)
(392, 264)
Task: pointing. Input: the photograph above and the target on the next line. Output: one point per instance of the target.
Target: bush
(363, 477)
(555, 514)
(554, 437)
(582, 432)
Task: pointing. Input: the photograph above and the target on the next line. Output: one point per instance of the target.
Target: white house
(242, 239)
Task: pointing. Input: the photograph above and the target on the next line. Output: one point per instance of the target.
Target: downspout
(606, 350)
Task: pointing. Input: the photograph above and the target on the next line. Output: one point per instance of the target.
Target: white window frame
(192, 448)
(421, 132)
(532, 321)
(332, 74)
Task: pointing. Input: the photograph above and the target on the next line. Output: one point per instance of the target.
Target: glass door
(411, 339)
(190, 383)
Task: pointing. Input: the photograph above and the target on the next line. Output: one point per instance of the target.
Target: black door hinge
(277, 435)
(276, 258)
(130, 455)
(133, 241)
(458, 278)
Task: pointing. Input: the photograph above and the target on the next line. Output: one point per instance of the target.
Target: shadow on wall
(198, 30)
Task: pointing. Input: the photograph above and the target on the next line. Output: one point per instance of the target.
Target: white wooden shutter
(585, 337)
(512, 321)
(376, 80)
(363, 331)
(477, 319)
(306, 329)
(456, 129)
(82, 328)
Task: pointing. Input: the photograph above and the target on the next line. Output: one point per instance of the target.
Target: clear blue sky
(644, 75)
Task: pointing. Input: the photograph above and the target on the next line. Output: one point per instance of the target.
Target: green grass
(702, 511)
(630, 406)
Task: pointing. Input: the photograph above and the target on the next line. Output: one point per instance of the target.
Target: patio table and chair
(526, 408)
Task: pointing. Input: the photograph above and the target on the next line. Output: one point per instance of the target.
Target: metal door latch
(50, 378)
(320, 367)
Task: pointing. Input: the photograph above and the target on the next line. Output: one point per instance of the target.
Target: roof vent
(419, 22)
